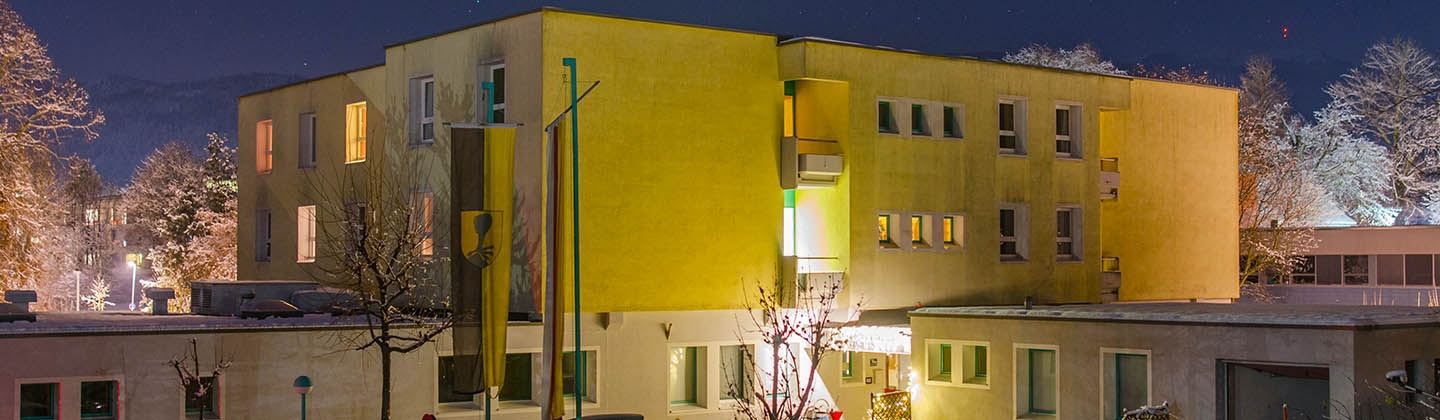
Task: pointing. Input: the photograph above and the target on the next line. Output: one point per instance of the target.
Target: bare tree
(376, 238)
(1394, 93)
(195, 386)
(799, 335)
(38, 108)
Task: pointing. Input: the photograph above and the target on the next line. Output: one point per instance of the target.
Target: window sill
(305, 261)
(1070, 158)
(686, 408)
(889, 245)
(949, 137)
(348, 162)
(1035, 416)
(888, 133)
(1068, 260)
(1014, 154)
(1013, 260)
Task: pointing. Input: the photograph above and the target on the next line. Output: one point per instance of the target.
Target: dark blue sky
(172, 40)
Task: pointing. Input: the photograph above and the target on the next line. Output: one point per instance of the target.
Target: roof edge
(312, 79)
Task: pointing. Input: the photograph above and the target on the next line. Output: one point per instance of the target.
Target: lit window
(518, 371)
(1036, 384)
(918, 123)
(1067, 238)
(307, 140)
(788, 218)
(736, 362)
(355, 127)
(262, 235)
(1012, 119)
(98, 400)
(305, 234)
(954, 122)
(975, 364)
(1127, 383)
(920, 234)
(884, 226)
(789, 110)
(497, 107)
(196, 400)
(40, 401)
(847, 364)
(264, 153)
(887, 118)
(422, 212)
(948, 231)
(445, 382)
(685, 370)
(567, 375)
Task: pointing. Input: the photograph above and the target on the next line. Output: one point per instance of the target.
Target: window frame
(747, 372)
(917, 113)
(497, 105)
(265, 218)
(423, 102)
(424, 220)
(888, 115)
(697, 369)
(1020, 227)
(920, 226)
(1346, 274)
(114, 400)
(305, 226)
(216, 395)
(1029, 351)
(307, 156)
(952, 230)
(1296, 275)
(1106, 352)
(1018, 121)
(357, 124)
(265, 150)
(55, 399)
(955, 127)
(886, 236)
(1076, 219)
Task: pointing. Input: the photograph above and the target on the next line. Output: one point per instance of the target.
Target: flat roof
(138, 323)
(1226, 314)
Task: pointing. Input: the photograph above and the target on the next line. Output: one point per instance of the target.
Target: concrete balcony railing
(1109, 178)
(808, 163)
(805, 279)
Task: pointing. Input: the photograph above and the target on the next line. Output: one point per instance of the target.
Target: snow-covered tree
(1393, 96)
(95, 300)
(38, 109)
(1185, 74)
(1083, 57)
(1353, 171)
(185, 207)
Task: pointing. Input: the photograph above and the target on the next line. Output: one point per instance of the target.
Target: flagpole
(575, 203)
(485, 365)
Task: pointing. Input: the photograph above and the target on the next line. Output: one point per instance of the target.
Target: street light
(302, 387)
(132, 283)
(77, 290)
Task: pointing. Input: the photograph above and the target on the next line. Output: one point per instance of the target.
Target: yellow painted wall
(288, 186)
(1175, 223)
(680, 194)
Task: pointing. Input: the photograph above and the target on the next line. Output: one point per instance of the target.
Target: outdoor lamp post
(77, 290)
(302, 387)
(131, 263)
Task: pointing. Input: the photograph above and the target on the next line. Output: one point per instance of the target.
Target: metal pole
(302, 406)
(575, 203)
(77, 290)
(133, 267)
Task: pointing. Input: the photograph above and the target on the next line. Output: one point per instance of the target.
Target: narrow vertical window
(1064, 236)
(518, 373)
(1041, 381)
(886, 118)
(1127, 383)
(262, 235)
(947, 359)
(264, 147)
(788, 216)
(918, 123)
(497, 107)
(1008, 138)
(952, 121)
(789, 109)
(445, 383)
(685, 370)
(307, 140)
(422, 212)
(1063, 145)
(736, 362)
(976, 365)
(948, 231)
(917, 229)
(355, 127)
(569, 385)
(884, 229)
(305, 234)
(1009, 245)
(427, 110)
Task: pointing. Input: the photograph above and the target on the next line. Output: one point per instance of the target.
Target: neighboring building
(1382, 265)
(1207, 361)
(714, 161)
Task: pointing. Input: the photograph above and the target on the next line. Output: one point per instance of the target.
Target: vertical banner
(554, 310)
(481, 195)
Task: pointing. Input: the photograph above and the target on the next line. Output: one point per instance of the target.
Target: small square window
(567, 375)
(918, 123)
(445, 378)
(886, 118)
(950, 230)
(976, 364)
(39, 401)
(201, 396)
(517, 378)
(953, 122)
(919, 237)
(886, 240)
(1065, 235)
(98, 400)
(686, 382)
(1357, 269)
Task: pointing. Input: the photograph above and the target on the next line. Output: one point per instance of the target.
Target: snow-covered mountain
(142, 115)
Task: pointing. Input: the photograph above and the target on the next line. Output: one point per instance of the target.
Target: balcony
(1109, 279)
(807, 282)
(808, 163)
(1109, 178)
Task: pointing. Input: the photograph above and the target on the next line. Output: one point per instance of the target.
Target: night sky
(174, 40)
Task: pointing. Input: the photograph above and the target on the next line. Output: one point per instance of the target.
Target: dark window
(446, 375)
(917, 120)
(517, 378)
(97, 400)
(262, 235)
(307, 140)
(1062, 122)
(39, 401)
(567, 373)
(1304, 271)
(1391, 269)
(952, 123)
(1008, 139)
(1009, 246)
(1419, 270)
(886, 118)
(194, 401)
(1064, 239)
(1357, 269)
(1327, 269)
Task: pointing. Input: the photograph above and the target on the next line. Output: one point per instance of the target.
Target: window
(736, 362)
(567, 375)
(98, 400)
(195, 400)
(1418, 270)
(789, 111)
(1036, 381)
(1012, 123)
(262, 235)
(1012, 232)
(1357, 269)
(445, 382)
(497, 107)
(939, 362)
(975, 364)
(422, 216)
(422, 110)
(1067, 131)
(918, 124)
(307, 140)
(1067, 234)
(1391, 269)
(947, 359)
(788, 224)
(919, 236)
(1327, 269)
(355, 127)
(950, 230)
(264, 153)
(1127, 383)
(517, 378)
(39, 401)
(954, 119)
(884, 225)
(1304, 271)
(847, 364)
(305, 234)
(686, 371)
(887, 118)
